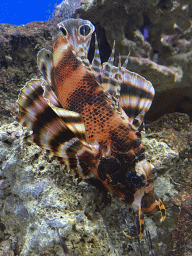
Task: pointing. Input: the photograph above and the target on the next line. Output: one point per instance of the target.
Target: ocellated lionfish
(89, 113)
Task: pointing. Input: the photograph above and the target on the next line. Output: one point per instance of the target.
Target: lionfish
(88, 114)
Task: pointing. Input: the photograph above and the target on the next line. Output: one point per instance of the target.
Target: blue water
(18, 12)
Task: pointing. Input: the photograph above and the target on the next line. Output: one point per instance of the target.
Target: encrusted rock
(38, 196)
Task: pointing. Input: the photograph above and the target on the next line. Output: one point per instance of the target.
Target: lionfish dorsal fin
(112, 56)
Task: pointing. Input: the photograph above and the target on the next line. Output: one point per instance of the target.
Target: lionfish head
(76, 33)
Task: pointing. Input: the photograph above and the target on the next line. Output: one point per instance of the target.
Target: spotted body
(86, 113)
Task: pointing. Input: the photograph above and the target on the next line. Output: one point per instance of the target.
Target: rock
(38, 196)
(18, 61)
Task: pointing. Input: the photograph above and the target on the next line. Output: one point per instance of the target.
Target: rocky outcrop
(38, 196)
(19, 46)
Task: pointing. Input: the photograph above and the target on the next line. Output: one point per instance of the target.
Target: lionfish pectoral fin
(136, 95)
(50, 95)
(45, 63)
(50, 131)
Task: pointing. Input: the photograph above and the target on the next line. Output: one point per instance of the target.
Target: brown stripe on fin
(28, 95)
(36, 110)
(88, 161)
(133, 92)
(86, 157)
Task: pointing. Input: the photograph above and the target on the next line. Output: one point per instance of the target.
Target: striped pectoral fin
(88, 159)
(30, 99)
(36, 114)
(65, 140)
(136, 95)
(33, 103)
(45, 65)
(80, 157)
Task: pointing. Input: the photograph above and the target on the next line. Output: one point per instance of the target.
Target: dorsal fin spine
(112, 57)
(96, 63)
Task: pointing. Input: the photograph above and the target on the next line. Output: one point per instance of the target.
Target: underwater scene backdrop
(47, 211)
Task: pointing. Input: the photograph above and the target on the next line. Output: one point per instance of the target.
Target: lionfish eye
(63, 30)
(84, 30)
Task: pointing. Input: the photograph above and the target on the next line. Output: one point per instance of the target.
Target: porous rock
(19, 46)
(38, 196)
